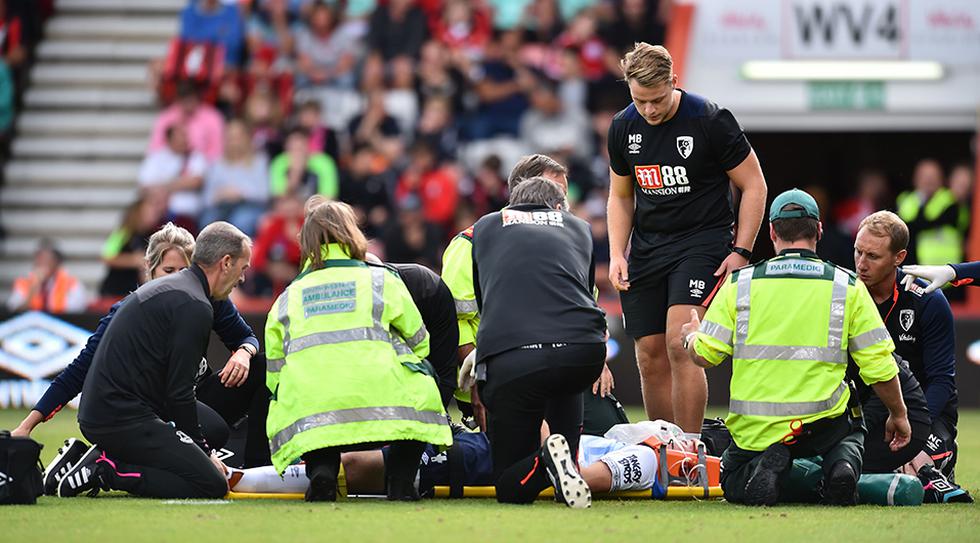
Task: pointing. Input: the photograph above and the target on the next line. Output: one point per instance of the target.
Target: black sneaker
(938, 489)
(68, 455)
(762, 488)
(570, 487)
(84, 476)
(323, 487)
(402, 491)
(841, 485)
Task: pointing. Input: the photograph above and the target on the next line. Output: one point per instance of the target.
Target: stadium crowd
(412, 112)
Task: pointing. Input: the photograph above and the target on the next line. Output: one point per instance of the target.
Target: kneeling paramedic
(346, 348)
(788, 324)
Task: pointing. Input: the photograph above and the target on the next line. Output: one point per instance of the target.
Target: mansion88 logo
(660, 180)
(33, 348)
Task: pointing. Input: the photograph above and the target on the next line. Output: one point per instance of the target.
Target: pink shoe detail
(105, 459)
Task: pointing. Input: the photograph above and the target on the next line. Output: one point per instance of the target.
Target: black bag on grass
(21, 472)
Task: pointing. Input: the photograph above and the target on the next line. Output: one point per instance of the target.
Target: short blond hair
(170, 236)
(885, 224)
(649, 65)
(329, 222)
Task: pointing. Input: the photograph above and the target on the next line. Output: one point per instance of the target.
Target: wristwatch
(743, 252)
(248, 348)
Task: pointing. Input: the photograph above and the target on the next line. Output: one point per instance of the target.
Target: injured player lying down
(623, 460)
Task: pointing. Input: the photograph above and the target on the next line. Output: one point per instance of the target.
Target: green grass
(116, 517)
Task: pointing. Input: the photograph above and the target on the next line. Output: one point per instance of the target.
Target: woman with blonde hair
(169, 251)
(346, 348)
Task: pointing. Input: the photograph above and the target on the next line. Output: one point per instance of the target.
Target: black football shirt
(679, 175)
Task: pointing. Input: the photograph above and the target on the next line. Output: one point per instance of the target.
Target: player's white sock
(265, 480)
(633, 468)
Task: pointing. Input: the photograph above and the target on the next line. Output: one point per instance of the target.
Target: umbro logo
(634, 141)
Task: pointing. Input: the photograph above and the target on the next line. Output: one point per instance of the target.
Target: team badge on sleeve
(685, 145)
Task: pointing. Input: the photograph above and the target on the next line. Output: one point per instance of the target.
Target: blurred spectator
(325, 56)
(500, 83)
(507, 14)
(213, 21)
(872, 195)
(437, 128)
(48, 287)
(438, 78)
(961, 181)
(548, 127)
(272, 30)
(12, 44)
(412, 238)
(276, 253)
(636, 20)
(489, 192)
(932, 214)
(264, 115)
(375, 127)
(397, 28)
(179, 171)
(125, 249)
(542, 21)
(836, 244)
(582, 40)
(435, 187)
(464, 28)
(401, 102)
(202, 121)
(368, 188)
(322, 138)
(298, 173)
(236, 188)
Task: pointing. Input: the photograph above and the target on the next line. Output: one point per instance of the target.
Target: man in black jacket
(138, 404)
(541, 339)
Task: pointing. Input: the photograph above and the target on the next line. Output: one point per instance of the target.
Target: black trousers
(878, 458)
(523, 388)
(834, 439)
(233, 404)
(155, 460)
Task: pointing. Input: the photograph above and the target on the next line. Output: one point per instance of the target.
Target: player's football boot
(85, 476)
(938, 489)
(68, 455)
(570, 487)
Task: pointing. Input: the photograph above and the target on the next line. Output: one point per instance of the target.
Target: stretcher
(673, 493)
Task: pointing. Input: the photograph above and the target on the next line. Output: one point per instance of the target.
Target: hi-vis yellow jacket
(345, 346)
(788, 325)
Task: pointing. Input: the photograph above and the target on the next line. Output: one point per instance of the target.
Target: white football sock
(265, 480)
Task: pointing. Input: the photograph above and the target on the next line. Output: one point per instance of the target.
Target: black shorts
(688, 280)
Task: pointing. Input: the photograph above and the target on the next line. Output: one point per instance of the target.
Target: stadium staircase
(82, 133)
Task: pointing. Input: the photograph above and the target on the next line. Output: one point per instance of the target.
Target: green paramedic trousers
(834, 439)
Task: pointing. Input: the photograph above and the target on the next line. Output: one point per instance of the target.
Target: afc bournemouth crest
(905, 318)
(685, 145)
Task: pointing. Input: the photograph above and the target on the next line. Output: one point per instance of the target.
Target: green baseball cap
(794, 197)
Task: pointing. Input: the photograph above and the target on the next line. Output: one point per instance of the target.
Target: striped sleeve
(457, 272)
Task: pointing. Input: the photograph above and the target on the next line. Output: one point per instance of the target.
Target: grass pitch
(117, 517)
